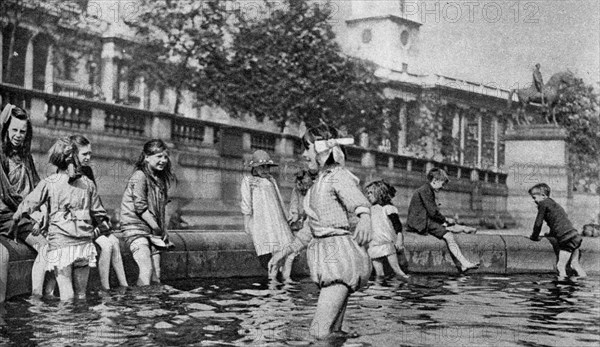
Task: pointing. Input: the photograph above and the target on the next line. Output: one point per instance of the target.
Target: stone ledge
(199, 254)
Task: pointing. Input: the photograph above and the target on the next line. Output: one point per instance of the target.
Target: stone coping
(204, 254)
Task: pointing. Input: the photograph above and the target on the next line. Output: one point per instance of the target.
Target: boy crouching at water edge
(566, 235)
(424, 217)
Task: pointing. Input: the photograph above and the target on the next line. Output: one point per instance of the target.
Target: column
(479, 138)
(1, 55)
(107, 82)
(123, 83)
(403, 121)
(496, 139)
(463, 129)
(143, 94)
(49, 73)
(28, 83)
(455, 134)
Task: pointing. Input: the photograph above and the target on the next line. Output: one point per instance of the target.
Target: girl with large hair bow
(338, 262)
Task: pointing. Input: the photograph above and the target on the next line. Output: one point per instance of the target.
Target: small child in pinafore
(561, 228)
(73, 206)
(387, 228)
(264, 215)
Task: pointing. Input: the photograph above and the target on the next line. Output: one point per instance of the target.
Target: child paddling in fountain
(338, 262)
(561, 228)
(143, 210)
(73, 207)
(387, 228)
(264, 216)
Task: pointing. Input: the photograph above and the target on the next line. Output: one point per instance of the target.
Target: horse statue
(531, 95)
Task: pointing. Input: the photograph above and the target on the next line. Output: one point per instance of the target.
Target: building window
(404, 36)
(367, 36)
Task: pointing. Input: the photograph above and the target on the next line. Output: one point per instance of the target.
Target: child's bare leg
(65, 282)
(80, 280)
(456, 252)
(140, 249)
(286, 272)
(104, 260)
(393, 260)
(4, 257)
(339, 321)
(50, 284)
(378, 266)
(156, 267)
(117, 261)
(38, 271)
(575, 265)
(329, 306)
(561, 264)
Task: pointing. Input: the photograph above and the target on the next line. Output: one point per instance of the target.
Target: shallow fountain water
(440, 310)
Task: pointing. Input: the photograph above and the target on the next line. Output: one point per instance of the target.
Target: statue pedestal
(535, 154)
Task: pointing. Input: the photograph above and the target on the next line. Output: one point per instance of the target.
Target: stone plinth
(535, 154)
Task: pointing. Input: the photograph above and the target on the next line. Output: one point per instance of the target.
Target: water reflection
(430, 310)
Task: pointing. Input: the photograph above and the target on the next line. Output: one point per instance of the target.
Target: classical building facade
(473, 117)
(435, 120)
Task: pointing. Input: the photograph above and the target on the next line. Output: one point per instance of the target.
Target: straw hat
(261, 157)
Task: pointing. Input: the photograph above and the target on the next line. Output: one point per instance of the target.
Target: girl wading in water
(334, 194)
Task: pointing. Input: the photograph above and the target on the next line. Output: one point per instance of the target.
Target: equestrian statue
(545, 95)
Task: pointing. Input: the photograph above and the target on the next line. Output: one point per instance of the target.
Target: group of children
(325, 199)
(65, 210)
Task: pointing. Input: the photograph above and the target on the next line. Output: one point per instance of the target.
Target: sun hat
(261, 157)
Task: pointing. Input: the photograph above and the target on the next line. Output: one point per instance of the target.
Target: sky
(499, 42)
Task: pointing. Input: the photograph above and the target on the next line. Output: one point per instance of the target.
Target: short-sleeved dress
(384, 236)
(73, 205)
(262, 201)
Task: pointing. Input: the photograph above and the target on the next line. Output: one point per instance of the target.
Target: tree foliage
(182, 43)
(288, 67)
(578, 111)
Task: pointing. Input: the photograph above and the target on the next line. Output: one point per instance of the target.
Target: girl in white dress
(264, 215)
(387, 228)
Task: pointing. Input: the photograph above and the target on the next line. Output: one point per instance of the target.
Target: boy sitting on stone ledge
(424, 217)
(566, 235)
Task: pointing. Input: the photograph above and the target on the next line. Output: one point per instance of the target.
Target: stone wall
(208, 159)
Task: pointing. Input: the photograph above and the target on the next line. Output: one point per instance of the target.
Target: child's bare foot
(402, 276)
(469, 266)
(579, 271)
(340, 334)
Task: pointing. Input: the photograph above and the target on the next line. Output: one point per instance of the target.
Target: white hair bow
(326, 147)
(6, 112)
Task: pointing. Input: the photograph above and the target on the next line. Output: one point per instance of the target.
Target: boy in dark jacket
(425, 217)
(567, 237)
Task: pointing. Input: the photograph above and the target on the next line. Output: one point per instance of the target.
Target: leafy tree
(182, 42)
(288, 67)
(578, 111)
